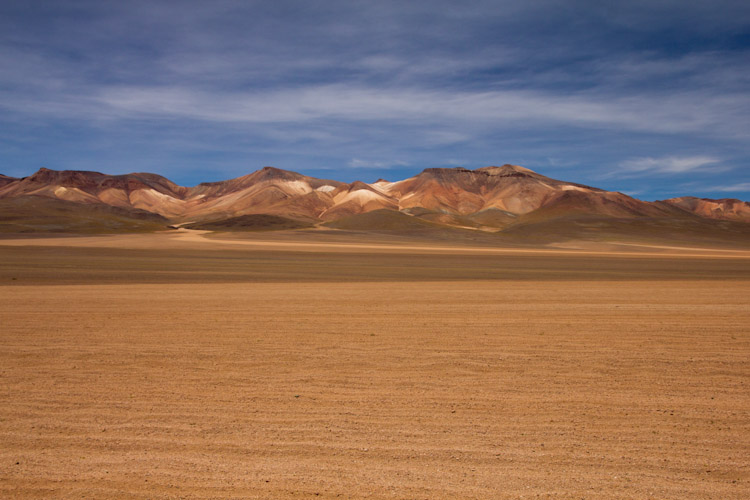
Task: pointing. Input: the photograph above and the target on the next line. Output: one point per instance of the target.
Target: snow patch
(326, 188)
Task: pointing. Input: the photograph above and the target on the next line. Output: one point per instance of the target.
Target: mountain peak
(276, 173)
(47, 175)
(357, 185)
(445, 171)
(506, 169)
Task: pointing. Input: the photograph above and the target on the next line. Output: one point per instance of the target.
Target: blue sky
(651, 98)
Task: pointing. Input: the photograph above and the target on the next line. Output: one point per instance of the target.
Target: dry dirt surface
(151, 372)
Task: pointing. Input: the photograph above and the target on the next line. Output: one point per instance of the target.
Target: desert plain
(330, 365)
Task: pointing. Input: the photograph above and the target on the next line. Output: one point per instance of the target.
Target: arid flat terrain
(301, 365)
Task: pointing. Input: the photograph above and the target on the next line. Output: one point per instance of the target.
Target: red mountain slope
(725, 208)
(488, 198)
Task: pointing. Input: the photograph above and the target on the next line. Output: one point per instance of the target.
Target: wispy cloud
(742, 187)
(633, 192)
(445, 114)
(359, 163)
(672, 165)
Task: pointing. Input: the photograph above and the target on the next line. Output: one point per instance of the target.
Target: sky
(651, 98)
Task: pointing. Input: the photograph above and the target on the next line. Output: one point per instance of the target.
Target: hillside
(511, 201)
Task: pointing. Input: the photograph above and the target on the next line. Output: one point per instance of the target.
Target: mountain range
(509, 199)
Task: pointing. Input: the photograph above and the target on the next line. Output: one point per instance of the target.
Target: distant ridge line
(490, 199)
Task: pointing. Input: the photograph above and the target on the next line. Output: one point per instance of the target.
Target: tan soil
(404, 388)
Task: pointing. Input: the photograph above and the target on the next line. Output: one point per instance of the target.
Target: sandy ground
(591, 386)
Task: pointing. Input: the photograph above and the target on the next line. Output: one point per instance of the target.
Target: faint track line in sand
(183, 237)
(195, 236)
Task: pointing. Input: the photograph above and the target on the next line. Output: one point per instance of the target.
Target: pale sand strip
(187, 238)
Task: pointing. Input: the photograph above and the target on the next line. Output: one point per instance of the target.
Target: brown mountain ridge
(508, 200)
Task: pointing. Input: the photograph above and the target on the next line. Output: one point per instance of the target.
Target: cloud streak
(742, 187)
(359, 163)
(672, 165)
(727, 115)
